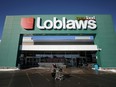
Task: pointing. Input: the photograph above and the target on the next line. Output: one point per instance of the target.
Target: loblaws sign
(58, 24)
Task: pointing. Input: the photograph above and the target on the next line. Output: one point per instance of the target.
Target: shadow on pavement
(66, 76)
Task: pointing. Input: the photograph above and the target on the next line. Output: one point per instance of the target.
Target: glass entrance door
(71, 59)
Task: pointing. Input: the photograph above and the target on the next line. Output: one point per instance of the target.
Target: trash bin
(96, 66)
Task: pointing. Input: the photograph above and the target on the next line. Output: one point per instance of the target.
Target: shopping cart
(59, 75)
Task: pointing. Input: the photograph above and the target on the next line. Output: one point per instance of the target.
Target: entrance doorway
(70, 59)
(72, 51)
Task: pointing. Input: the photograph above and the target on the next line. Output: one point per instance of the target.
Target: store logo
(27, 23)
(79, 23)
(64, 23)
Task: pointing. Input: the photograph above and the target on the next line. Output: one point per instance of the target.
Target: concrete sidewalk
(70, 70)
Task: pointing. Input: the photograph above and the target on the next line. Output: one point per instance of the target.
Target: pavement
(73, 77)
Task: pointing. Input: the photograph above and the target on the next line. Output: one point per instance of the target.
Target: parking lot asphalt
(42, 78)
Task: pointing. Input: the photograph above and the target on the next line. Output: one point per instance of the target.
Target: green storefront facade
(104, 36)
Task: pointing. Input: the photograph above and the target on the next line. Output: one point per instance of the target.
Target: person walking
(53, 71)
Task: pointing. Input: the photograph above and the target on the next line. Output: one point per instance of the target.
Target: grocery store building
(72, 40)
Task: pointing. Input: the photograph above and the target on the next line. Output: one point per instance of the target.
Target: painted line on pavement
(11, 80)
(29, 79)
(44, 76)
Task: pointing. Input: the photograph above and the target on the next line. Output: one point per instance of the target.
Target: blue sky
(29, 7)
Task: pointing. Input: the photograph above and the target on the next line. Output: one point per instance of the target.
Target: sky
(36, 7)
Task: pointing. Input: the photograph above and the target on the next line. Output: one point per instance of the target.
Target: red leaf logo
(27, 23)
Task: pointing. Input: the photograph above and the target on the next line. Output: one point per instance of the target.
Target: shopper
(53, 70)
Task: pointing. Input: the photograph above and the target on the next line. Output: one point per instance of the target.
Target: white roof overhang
(58, 48)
